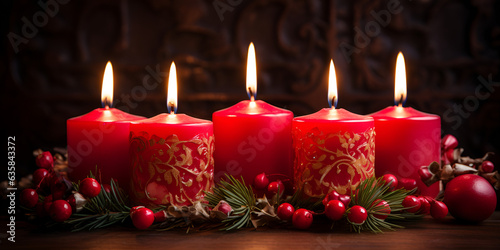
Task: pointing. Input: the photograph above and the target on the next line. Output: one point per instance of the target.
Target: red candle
(407, 139)
(99, 140)
(334, 148)
(253, 137)
(171, 156)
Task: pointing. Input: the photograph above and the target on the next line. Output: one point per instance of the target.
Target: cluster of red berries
(52, 194)
(337, 206)
(262, 183)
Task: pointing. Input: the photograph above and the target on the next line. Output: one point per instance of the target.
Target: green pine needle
(374, 189)
(239, 196)
(104, 210)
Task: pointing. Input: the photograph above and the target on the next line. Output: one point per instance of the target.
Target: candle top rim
(106, 115)
(165, 118)
(332, 115)
(261, 108)
(403, 113)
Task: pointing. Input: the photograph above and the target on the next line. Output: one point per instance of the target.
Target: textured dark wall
(53, 70)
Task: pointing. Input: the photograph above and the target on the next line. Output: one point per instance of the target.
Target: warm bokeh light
(400, 81)
(172, 90)
(251, 73)
(107, 87)
(332, 87)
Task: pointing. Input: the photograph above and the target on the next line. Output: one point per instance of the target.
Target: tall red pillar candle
(171, 156)
(99, 140)
(334, 148)
(253, 137)
(407, 139)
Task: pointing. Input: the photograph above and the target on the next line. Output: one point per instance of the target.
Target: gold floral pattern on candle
(335, 161)
(170, 171)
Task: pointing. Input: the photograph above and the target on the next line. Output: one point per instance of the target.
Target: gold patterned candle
(171, 157)
(334, 149)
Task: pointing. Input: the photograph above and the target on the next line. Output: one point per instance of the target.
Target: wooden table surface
(425, 233)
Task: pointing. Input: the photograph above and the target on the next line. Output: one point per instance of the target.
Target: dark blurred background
(54, 54)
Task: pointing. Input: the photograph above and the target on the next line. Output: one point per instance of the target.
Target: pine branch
(372, 190)
(104, 210)
(239, 196)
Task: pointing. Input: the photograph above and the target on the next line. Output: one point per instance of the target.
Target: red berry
(425, 205)
(424, 174)
(333, 195)
(133, 209)
(487, 166)
(47, 202)
(60, 210)
(223, 207)
(357, 215)
(470, 197)
(274, 186)
(39, 175)
(439, 210)
(107, 188)
(29, 198)
(346, 199)
(45, 160)
(90, 188)
(407, 183)
(142, 218)
(285, 211)
(389, 178)
(449, 142)
(411, 203)
(335, 209)
(40, 210)
(160, 216)
(302, 218)
(450, 155)
(261, 181)
(58, 189)
(382, 206)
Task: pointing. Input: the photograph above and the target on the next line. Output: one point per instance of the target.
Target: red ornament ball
(302, 218)
(439, 210)
(390, 178)
(261, 181)
(487, 166)
(142, 217)
(60, 210)
(411, 203)
(90, 188)
(285, 211)
(45, 160)
(382, 206)
(470, 198)
(334, 210)
(357, 215)
(29, 198)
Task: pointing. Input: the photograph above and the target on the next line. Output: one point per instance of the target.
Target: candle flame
(107, 87)
(400, 81)
(251, 73)
(332, 87)
(172, 90)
